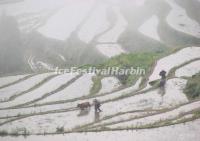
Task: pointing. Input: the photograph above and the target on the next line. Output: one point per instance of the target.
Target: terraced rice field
(41, 104)
(105, 24)
(46, 103)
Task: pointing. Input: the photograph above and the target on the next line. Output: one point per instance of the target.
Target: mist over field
(42, 34)
(99, 70)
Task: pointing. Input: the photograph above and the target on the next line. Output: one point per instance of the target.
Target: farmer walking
(163, 78)
(97, 106)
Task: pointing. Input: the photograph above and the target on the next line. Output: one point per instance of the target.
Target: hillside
(43, 37)
(99, 70)
(46, 103)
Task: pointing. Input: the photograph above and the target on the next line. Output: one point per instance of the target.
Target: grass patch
(96, 85)
(192, 89)
(196, 114)
(137, 60)
(142, 60)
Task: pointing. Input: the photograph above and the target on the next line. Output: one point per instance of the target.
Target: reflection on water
(162, 91)
(186, 132)
(96, 116)
(84, 112)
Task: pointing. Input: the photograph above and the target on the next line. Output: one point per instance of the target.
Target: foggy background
(38, 35)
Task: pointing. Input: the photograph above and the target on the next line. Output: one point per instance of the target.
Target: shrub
(192, 89)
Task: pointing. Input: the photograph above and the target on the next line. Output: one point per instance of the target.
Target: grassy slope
(192, 89)
(97, 85)
(126, 61)
(142, 60)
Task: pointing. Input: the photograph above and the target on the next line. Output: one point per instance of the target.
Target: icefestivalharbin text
(104, 71)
